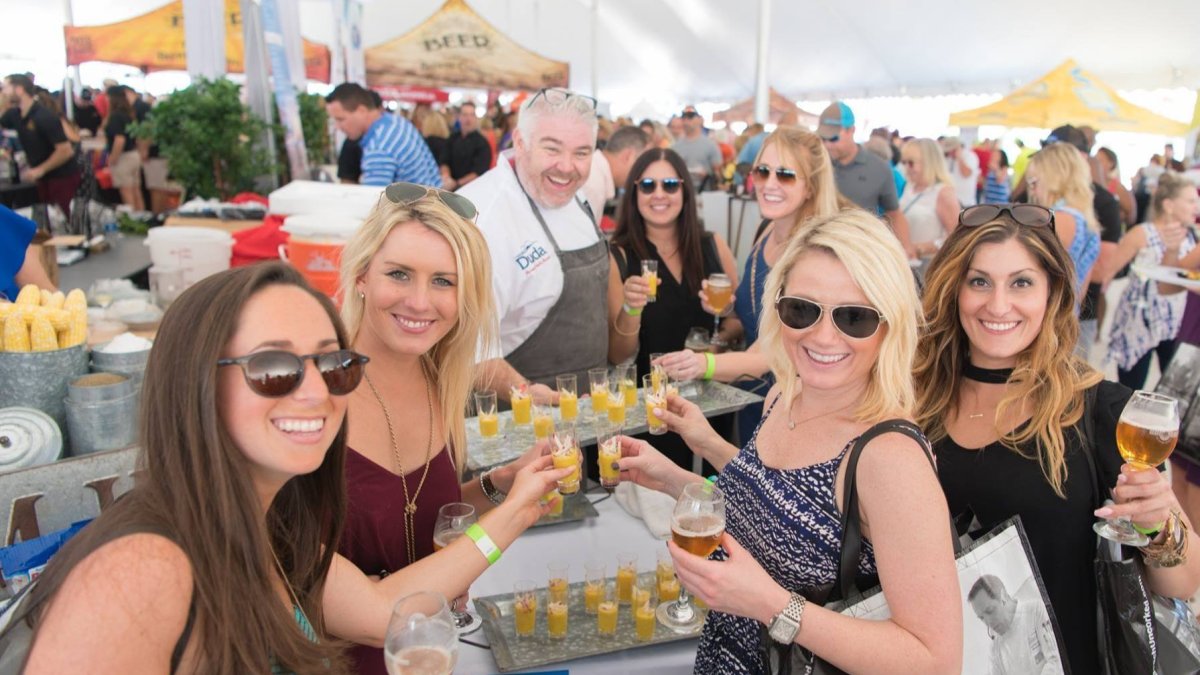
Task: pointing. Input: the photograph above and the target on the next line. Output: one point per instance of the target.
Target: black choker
(986, 375)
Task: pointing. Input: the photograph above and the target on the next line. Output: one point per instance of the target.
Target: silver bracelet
(489, 489)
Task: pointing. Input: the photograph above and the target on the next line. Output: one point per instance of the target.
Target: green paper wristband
(630, 310)
(711, 367)
(484, 543)
(1151, 532)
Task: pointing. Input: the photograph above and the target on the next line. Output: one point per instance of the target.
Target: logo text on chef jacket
(530, 257)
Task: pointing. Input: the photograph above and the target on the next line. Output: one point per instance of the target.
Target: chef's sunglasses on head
(277, 373)
(669, 185)
(1029, 215)
(556, 95)
(854, 321)
(783, 174)
(407, 193)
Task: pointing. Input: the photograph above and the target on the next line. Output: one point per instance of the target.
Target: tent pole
(71, 82)
(595, 47)
(761, 98)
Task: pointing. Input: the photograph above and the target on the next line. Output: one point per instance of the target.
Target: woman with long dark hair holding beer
(839, 330)
(1002, 397)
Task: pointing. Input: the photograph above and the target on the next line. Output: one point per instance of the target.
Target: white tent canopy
(666, 51)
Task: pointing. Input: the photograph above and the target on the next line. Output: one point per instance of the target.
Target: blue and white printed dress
(789, 520)
(1144, 316)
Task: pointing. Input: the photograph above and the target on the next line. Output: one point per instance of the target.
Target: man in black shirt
(47, 150)
(467, 155)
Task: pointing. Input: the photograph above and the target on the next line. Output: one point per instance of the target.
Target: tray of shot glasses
(614, 625)
(511, 439)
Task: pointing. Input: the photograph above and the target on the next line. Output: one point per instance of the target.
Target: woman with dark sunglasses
(221, 559)
(1002, 396)
(840, 334)
(793, 181)
(418, 302)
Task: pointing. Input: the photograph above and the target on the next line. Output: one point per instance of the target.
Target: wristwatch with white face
(786, 624)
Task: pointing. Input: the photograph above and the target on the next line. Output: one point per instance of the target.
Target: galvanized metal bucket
(132, 364)
(102, 425)
(98, 387)
(39, 379)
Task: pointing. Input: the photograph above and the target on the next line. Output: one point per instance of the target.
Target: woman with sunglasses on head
(929, 201)
(1002, 398)
(840, 336)
(221, 559)
(417, 302)
(658, 221)
(1149, 314)
(793, 181)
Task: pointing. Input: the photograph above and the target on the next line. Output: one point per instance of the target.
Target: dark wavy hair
(193, 486)
(631, 226)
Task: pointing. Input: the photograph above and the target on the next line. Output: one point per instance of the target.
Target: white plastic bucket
(198, 251)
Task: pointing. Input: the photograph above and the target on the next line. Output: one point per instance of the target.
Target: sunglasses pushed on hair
(407, 193)
(647, 186)
(1029, 215)
(276, 373)
(784, 175)
(858, 322)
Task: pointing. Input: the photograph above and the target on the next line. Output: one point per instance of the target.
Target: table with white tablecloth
(613, 531)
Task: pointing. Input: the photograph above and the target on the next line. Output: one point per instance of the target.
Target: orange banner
(457, 48)
(155, 41)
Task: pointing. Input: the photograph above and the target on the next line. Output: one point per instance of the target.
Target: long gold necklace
(288, 585)
(792, 425)
(410, 502)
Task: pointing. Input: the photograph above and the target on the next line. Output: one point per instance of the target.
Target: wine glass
(421, 637)
(719, 294)
(697, 524)
(452, 522)
(1146, 435)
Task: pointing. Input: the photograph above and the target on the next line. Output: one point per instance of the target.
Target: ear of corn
(16, 335)
(6, 308)
(76, 333)
(75, 300)
(56, 300)
(30, 295)
(41, 335)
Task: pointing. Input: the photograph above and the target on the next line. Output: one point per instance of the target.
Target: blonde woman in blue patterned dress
(840, 340)
(1148, 318)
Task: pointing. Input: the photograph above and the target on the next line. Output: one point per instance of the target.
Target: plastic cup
(568, 397)
(485, 410)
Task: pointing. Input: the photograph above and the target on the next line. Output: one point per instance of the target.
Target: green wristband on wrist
(484, 543)
(1151, 532)
(630, 310)
(711, 360)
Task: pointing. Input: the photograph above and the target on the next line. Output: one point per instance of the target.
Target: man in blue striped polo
(392, 148)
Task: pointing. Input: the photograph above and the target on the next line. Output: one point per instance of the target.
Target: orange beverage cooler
(314, 247)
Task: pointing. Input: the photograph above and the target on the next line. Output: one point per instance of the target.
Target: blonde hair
(933, 163)
(451, 362)
(434, 124)
(807, 152)
(1047, 374)
(873, 257)
(1065, 175)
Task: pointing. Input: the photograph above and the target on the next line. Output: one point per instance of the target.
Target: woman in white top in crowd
(929, 201)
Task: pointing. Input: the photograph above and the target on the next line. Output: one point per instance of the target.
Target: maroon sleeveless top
(374, 538)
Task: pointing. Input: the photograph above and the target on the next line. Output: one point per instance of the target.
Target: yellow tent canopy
(155, 41)
(1069, 95)
(457, 48)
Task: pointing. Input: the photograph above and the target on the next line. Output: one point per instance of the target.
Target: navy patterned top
(790, 522)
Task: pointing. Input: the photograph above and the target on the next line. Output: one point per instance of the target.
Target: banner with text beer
(457, 48)
(155, 41)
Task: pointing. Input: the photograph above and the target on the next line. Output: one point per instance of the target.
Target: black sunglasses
(689, 114)
(1030, 215)
(831, 139)
(276, 373)
(407, 193)
(854, 321)
(556, 95)
(785, 175)
(669, 185)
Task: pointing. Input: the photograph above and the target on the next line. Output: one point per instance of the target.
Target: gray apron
(573, 336)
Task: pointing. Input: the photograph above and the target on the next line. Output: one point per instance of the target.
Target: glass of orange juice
(656, 397)
(626, 577)
(557, 584)
(525, 604)
(568, 397)
(555, 499)
(650, 274)
(644, 609)
(608, 441)
(522, 405)
(664, 574)
(629, 385)
(593, 585)
(485, 410)
(565, 451)
(606, 612)
(598, 379)
(616, 398)
(543, 421)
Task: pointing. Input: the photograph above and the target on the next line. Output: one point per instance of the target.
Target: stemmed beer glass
(719, 294)
(421, 638)
(697, 524)
(1146, 435)
(452, 522)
